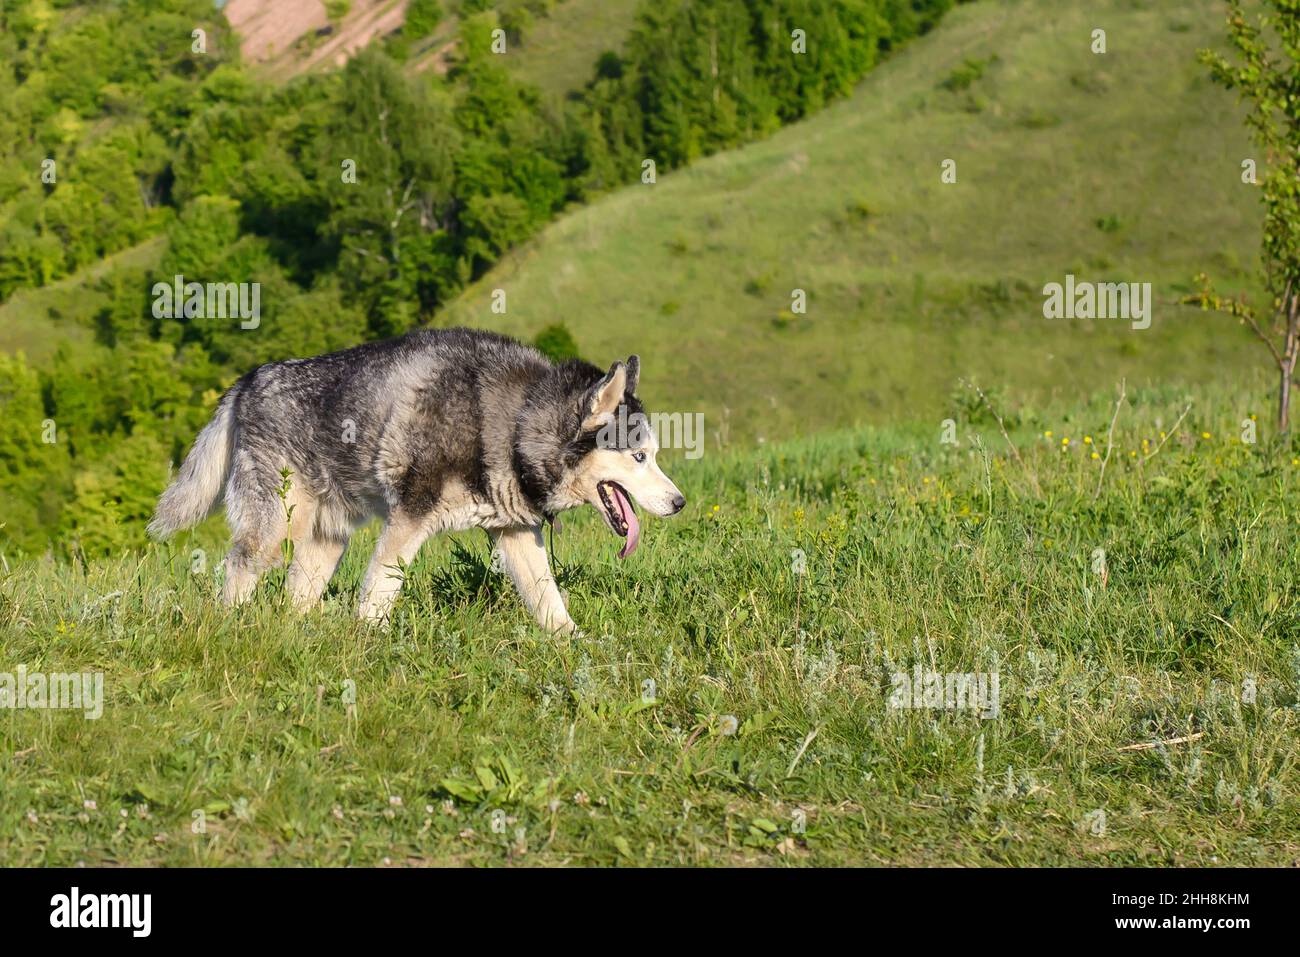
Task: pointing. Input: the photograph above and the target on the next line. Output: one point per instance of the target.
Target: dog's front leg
(523, 557)
(398, 543)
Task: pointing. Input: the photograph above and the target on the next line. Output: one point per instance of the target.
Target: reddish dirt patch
(269, 31)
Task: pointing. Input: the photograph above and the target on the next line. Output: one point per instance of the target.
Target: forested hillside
(360, 200)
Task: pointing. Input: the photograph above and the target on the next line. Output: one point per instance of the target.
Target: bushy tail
(202, 478)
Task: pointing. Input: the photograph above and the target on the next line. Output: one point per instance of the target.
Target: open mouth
(619, 515)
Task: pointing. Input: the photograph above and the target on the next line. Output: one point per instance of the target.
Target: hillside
(357, 201)
(297, 35)
(1120, 166)
(37, 321)
(279, 41)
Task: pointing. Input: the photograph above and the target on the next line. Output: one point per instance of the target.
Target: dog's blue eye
(638, 456)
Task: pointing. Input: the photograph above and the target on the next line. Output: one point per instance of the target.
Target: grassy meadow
(1148, 702)
(559, 51)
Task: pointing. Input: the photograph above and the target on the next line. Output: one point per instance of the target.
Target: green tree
(113, 497)
(1265, 72)
(399, 139)
(422, 18)
(33, 457)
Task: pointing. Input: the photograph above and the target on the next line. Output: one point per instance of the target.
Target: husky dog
(435, 431)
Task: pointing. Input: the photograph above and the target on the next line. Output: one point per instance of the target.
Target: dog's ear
(603, 397)
(633, 373)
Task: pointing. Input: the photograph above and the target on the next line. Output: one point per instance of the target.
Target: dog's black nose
(679, 503)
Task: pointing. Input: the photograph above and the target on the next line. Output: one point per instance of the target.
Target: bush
(422, 18)
(556, 342)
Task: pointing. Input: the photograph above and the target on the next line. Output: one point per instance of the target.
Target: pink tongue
(629, 516)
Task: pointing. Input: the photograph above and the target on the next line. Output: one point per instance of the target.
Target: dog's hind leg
(260, 522)
(245, 562)
(255, 545)
(523, 555)
(398, 544)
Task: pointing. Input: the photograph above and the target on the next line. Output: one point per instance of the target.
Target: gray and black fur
(437, 430)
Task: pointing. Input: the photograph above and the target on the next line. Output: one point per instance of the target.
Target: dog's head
(606, 457)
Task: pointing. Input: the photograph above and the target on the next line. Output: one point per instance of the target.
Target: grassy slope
(559, 51)
(916, 554)
(914, 283)
(36, 321)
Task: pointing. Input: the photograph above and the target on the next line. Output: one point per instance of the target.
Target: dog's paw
(568, 629)
(372, 618)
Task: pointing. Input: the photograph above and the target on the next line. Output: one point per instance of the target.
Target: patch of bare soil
(293, 36)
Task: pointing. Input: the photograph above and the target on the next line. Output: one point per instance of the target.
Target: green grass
(559, 51)
(960, 559)
(1120, 166)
